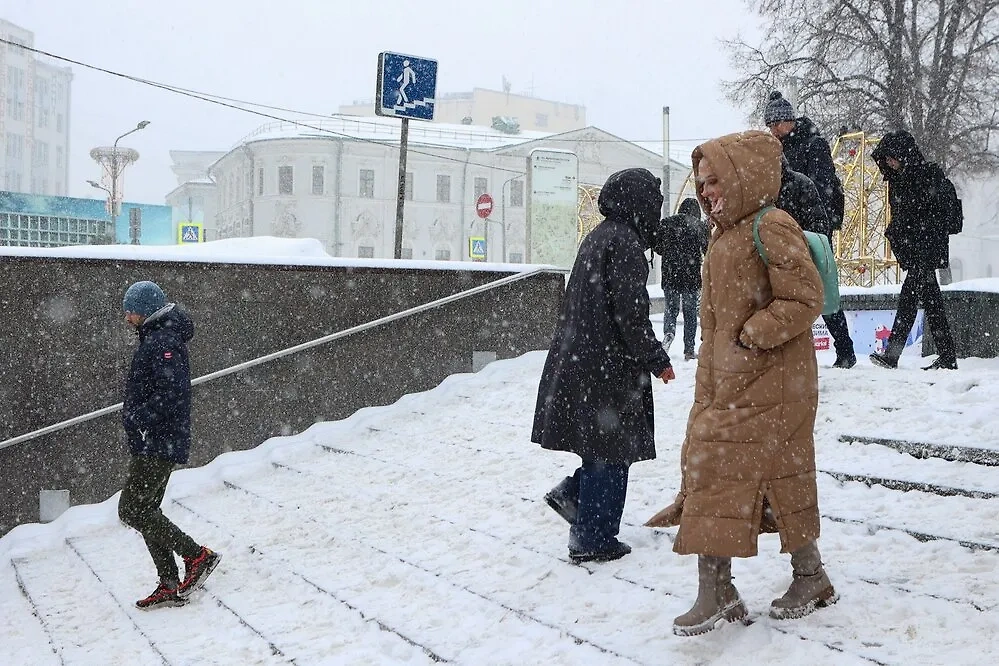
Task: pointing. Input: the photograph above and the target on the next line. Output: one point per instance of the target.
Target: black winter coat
(157, 407)
(799, 198)
(682, 242)
(920, 198)
(808, 152)
(595, 395)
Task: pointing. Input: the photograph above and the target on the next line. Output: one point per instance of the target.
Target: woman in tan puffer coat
(748, 460)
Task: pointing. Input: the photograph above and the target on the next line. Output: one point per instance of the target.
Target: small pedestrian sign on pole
(407, 86)
(477, 247)
(190, 232)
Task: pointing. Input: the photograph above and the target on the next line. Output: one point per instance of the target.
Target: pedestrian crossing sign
(477, 248)
(190, 232)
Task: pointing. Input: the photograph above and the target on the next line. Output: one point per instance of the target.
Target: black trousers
(920, 285)
(838, 329)
(139, 508)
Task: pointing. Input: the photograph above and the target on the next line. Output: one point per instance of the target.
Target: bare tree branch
(929, 66)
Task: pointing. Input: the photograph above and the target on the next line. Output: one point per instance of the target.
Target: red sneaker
(164, 596)
(196, 570)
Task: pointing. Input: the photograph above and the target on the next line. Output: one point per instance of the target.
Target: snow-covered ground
(415, 533)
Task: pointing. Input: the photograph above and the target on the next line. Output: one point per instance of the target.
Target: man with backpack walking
(925, 210)
(808, 152)
(157, 420)
(682, 242)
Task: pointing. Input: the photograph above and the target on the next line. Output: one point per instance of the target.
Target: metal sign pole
(400, 204)
(667, 204)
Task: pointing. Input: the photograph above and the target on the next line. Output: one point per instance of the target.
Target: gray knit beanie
(143, 298)
(778, 109)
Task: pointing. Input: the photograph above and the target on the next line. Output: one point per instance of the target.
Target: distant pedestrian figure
(157, 421)
(925, 210)
(595, 394)
(807, 152)
(682, 242)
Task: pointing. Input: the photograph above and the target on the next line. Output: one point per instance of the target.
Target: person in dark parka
(156, 415)
(807, 152)
(922, 200)
(595, 394)
(799, 198)
(682, 242)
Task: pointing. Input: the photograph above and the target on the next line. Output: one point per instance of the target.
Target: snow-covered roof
(387, 130)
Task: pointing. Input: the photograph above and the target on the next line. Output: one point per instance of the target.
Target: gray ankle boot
(717, 598)
(810, 589)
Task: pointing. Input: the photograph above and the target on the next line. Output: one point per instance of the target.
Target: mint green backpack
(822, 255)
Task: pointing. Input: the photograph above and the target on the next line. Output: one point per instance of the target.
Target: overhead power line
(242, 105)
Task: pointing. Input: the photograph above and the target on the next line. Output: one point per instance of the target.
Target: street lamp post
(115, 165)
(502, 220)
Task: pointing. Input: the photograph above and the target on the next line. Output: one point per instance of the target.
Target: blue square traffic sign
(407, 86)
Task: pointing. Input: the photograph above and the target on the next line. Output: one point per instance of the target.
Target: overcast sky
(623, 60)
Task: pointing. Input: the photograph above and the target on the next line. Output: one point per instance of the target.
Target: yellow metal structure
(587, 213)
(862, 252)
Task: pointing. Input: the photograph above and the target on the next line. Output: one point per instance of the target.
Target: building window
(443, 189)
(40, 154)
(443, 255)
(15, 146)
(516, 257)
(366, 187)
(366, 252)
(541, 119)
(409, 188)
(517, 194)
(59, 123)
(318, 179)
(260, 181)
(407, 253)
(481, 187)
(60, 157)
(286, 180)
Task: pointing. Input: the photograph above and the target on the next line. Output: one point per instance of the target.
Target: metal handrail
(489, 286)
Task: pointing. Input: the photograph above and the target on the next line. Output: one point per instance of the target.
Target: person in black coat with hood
(799, 198)
(595, 394)
(156, 415)
(923, 202)
(807, 152)
(682, 242)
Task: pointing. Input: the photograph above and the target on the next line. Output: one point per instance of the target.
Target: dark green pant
(139, 508)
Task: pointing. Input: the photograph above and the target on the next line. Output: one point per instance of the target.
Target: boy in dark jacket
(157, 420)
(922, 201)
(682, 242)
(595, 394)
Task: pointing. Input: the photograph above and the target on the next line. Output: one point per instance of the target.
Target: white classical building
(195, 199)
(336, 179)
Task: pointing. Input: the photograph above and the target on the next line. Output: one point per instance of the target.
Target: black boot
(943, 363)
(889, 357)
(564, 499)
(845, 361)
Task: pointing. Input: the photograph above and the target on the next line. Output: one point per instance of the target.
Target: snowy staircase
(415, 533)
